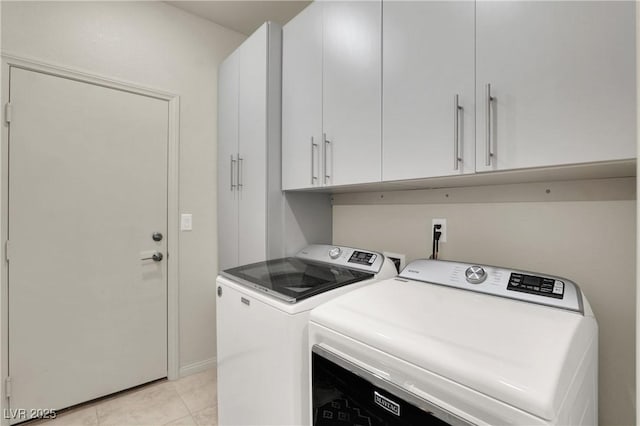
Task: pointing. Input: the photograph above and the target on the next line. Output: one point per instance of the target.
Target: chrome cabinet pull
(489, 105)
(327, 144)
(313, 163)
(232, 163)
(456, 132)
(240, 171)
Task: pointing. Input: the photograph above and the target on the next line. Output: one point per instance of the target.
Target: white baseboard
(197, 367)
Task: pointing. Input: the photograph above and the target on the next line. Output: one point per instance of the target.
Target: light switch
(186, 222)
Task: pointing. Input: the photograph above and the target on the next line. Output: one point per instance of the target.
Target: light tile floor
(189, 401)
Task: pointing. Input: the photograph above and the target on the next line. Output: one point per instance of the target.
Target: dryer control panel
(513, 284)
(532, 284)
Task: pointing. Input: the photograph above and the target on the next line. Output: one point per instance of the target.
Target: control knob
(335, 252)
(475, 274)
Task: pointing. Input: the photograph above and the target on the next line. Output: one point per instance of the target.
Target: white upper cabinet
(332, 95)
(428, 66)
(419, 89)
(352, 92)
(562, 83)
(302, 99)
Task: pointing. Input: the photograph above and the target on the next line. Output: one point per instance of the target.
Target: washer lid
(292, 279)
(522, 354)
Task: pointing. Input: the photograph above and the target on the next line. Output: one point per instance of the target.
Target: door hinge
(7, 387)
(6, 250)
(8, 110)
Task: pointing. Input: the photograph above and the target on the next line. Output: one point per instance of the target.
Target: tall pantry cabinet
(256, 220)
(249, 199)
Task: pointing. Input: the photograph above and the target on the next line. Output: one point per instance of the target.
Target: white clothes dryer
(262, 313)
(448, 343)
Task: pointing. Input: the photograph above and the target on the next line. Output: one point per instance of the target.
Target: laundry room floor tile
(189, 401)
(207, 417)
(198, 391)
(153, 405)
(185, 421)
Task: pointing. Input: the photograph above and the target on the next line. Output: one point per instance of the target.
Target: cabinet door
(252, 148)
(302, 99)
(562, 78)
(227, 163)
(428, 59)
(352, 92)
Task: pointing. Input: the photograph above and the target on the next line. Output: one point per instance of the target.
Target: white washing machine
(262, 318)
(449, 343)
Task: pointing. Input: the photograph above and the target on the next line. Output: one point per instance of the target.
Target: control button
(558, 287)
(373, 258)
(475, 274)
(515, 283)
(335, 252)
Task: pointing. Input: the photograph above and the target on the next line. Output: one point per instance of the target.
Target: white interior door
(87, 189)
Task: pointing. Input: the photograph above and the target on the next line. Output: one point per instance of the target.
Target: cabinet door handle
(456, 132)
(313, 163)
(489, 106)
(240, 171)
(232, 163)
(327, 144)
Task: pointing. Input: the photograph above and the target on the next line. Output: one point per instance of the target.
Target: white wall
(587, 235)
(161, 47)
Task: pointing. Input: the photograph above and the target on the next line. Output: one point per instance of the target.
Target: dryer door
(346, 394)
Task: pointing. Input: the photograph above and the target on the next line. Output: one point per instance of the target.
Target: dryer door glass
(342, 397)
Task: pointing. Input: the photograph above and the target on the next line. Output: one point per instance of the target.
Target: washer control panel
(513, 284)
(542, 286)
(363, 260)
(363, 257)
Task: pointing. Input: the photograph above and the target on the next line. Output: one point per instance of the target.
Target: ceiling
(243, 16)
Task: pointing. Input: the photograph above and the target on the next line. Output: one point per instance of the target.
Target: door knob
(156, 257)
(157, 236)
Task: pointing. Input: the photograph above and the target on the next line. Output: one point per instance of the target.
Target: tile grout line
(173, 386)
